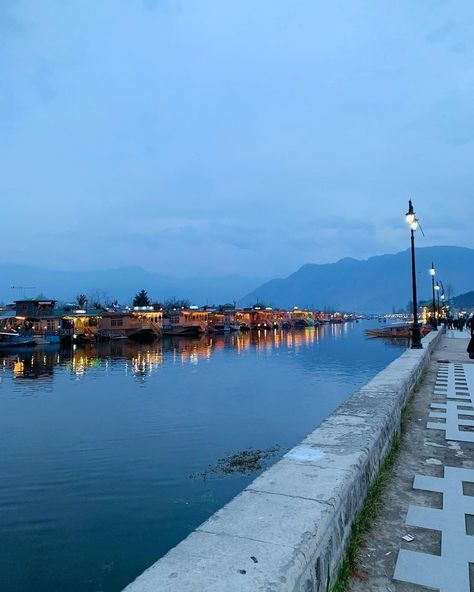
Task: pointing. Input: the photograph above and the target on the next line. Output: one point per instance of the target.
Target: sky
(214, 137)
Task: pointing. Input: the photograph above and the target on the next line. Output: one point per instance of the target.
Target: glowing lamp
(410, 215)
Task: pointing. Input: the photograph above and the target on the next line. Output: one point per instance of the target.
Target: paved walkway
(430, 494)
(456, 334)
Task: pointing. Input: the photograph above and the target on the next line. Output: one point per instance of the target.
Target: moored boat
(13, 339)
(400, 331)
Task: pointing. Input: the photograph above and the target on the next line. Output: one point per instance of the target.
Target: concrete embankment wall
(287, 531)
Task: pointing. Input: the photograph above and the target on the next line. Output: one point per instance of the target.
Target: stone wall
(288, 530)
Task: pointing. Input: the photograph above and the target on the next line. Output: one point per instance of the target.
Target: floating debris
(244, 462)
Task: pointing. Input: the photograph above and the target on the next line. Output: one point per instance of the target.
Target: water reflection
(143, 359)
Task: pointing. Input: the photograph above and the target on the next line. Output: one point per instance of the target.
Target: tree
(97, 298)
(141, 299)
(176, 303)
(81, 300)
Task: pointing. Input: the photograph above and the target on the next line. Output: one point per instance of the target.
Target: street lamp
(434, 323)
(437, 288)
(413, 225)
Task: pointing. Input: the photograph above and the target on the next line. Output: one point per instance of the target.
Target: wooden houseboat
(185, 322)
(140, 323)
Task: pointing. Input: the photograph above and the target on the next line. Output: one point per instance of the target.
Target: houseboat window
(116, 322)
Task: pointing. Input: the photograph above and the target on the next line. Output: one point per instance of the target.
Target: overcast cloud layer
(208, 137)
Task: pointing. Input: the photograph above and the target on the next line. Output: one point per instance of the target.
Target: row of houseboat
(29, 322)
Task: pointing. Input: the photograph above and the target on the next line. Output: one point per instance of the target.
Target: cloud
(204, 135)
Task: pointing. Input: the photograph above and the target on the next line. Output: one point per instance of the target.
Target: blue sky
(214, 137)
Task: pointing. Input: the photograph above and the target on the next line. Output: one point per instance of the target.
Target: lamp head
(432, 270)
(410, 215)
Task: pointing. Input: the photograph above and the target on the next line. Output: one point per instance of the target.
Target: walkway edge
(289, 529)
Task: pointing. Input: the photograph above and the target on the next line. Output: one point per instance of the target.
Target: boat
(182, 330)
(399, 331)
(219, 328)
(13, 339)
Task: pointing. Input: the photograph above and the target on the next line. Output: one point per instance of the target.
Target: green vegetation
(373, 503)
(141, 299)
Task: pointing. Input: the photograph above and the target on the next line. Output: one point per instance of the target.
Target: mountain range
(121, 284)
(464, 300)
(378, 284)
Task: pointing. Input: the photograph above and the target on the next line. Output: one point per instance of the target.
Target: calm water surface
(97, 444)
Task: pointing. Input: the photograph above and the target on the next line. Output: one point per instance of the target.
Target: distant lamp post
(434, 323)
(413, 225)
(437, 288)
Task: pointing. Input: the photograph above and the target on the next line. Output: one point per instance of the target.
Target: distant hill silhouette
(121, 283)
(464, 300)
(374, 285)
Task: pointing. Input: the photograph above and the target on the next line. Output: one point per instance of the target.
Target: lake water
(101, 447)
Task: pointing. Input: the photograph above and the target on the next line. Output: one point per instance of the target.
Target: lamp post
(437, 288)
(434, 323)
(413, 225)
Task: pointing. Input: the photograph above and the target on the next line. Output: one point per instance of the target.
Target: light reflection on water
(97, 443)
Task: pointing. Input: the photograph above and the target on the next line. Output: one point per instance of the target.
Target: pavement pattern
(430, 497)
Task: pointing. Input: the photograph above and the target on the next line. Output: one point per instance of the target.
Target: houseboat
(256, 317)
(140, 323)
(185, 322)
(38, 317)
(221, 321)
(80, 325)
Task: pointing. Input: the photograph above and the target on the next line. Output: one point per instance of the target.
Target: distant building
(35, 308)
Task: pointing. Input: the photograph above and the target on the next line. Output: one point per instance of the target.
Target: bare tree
(176, 303)
(97, 298)
(81, 300)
